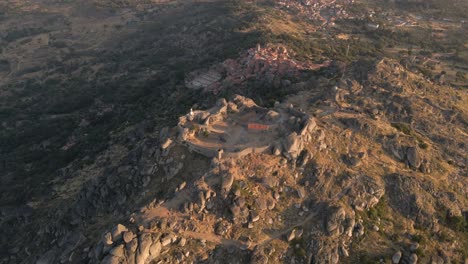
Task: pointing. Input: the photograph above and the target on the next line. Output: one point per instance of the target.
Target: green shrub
(402, 127)
(379, 210)
(418, 238)
(457, 223)
(423, 145)
(460, 76)
(425, 53)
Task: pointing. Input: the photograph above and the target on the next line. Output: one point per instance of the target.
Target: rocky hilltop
(247, 132)
(370, 170)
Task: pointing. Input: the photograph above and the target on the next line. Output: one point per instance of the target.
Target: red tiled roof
(255, 126)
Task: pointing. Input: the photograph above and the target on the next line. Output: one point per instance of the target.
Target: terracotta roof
(258, 127)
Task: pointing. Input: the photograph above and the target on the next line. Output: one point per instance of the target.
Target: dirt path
(158, 212)
(287, 230)
(215, 239)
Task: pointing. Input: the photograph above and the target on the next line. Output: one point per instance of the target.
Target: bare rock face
(226, 184)
(235, 210)
(272, 116)
(155, 250)
(131, 249)
(413, 259)
(128, 236)
(243, 102)
(309, 126)
(396, 257)
(110, 259)
(292, 145)
(334, 256)
(334, 220)
(366, 193)
(107, 239)
(303, 158)
(413, 157)
(414, 246)
(343, 251)
(182, 242)
(261, 203)
(144, 244)
(301, 192)
(118, 251)
(291, 235)
(117, 232)
(201, 199)
(166, 143)
(270, 181)
(167, 240)
(349, 227)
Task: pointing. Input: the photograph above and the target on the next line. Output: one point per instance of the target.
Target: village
(272, 64)
(326, 12)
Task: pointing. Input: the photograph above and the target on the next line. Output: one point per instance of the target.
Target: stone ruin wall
(212, 153)
(290, 146)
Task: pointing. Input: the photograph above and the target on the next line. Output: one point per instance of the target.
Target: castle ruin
(239, 127)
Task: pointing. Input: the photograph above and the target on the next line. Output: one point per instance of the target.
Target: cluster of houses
(271, 64)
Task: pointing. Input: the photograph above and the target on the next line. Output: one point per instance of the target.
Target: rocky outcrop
(117, 233)
(143, 250)
(365, 193)
(335, 221)
(413, 199)
(396, 257)
(226, 183)
(292, 145)
(134, 249)
(413, 157)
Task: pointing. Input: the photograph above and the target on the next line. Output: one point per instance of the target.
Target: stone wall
(240, 154)
(212, 153)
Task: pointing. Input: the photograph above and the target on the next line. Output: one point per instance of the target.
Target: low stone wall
(211, 153)
(308, 126)
(297, 113)
(240, 154)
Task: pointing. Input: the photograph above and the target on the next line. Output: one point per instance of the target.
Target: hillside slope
(96, 167)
